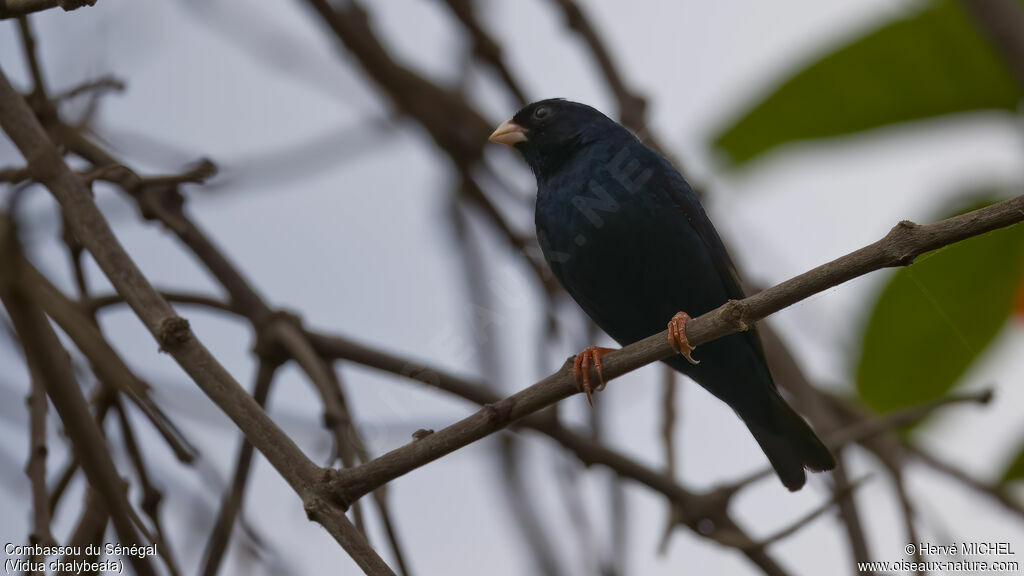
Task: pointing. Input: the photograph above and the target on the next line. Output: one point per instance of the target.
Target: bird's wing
(680, 192)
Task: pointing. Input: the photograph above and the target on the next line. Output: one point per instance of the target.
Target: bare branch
(279, 334)
(36, 466)
(28, 42)
(63, 481)
(807, 518)
(170, 330)
(92, 524)
(901, 418)
(632, 107)
(898, 248)
(97, 303)
(860, 429)
(99, 85)
(13, 175)
(231, 505)
(906, 507)
(692, 507)
(49, 362)
(670, 390)
(106, 363)
(485, 47)
(994, 490)
(669, 419)
(454, 125)
(15, 8)
(151, 495)
(811, 401)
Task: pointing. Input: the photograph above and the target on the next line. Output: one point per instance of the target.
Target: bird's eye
(541, 112)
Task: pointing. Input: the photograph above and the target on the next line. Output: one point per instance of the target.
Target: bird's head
(549, 132)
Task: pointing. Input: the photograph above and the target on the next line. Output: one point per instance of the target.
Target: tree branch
(15, 8)
(484, 46)
(171, 331)
(35, 469)
(694, 507)
(231, 504)
(49, 362)
(632, 107)
(105, 362)
(899, 247)
(279, 334)
(151, 495)
(812, 402)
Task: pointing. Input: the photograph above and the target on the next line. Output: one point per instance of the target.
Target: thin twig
(864, 430)
(517, 495)
(807, 518)
(486, 325)
(811, 401)
(97, 303)
(231, 505)
(63, 482)
(457, 128)
(569, 473)
(485, 47)
(15, 8)
(92, 524)
(905, 417)
(994, 490)
(907, 508)
(36, 466)
(28, 43)
(99, 85)
(632, 107)
(151, 495)
(669, 389)
(668, 419)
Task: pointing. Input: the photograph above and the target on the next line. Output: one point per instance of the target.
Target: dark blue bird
(628, 239)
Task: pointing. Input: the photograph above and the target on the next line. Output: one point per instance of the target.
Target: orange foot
(581, 370)
(677, 336)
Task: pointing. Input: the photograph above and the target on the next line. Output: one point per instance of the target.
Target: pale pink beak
(509, 133)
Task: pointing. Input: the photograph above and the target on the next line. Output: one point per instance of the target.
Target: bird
(628, 239)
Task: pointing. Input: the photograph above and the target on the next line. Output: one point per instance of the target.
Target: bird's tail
(789, 443)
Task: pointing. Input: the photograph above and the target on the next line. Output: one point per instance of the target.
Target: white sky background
(363, 247)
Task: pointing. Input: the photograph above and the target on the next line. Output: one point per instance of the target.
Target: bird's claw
(677, 336)
(581, 370)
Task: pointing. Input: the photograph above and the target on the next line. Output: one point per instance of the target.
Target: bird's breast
(597, 242)
(630, 258)
(587, 226)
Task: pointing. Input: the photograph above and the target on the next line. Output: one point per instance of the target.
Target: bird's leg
(581, 370)
(677, 336)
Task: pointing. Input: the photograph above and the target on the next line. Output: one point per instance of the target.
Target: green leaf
(1016, 469)
(929, 64)
(936, 316)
